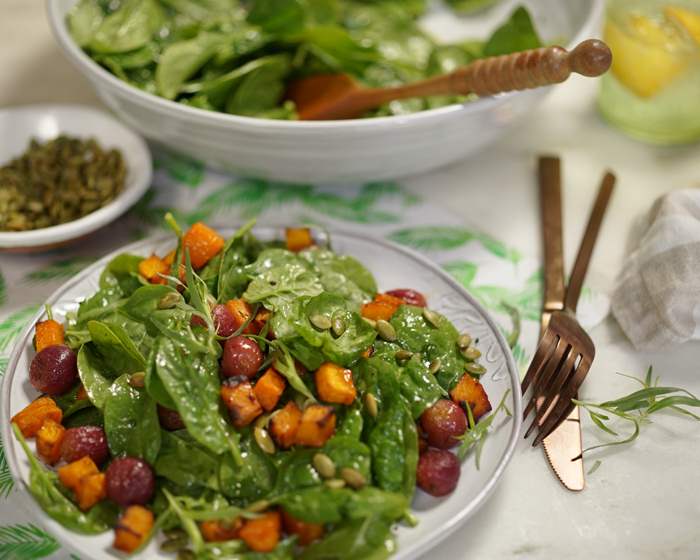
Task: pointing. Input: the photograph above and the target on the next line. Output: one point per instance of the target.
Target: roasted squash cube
(132, 529)
(152, 268)
(334, 384)
(48, 333)
(221, 530)
(317, 425)
(284, 425)
(242, 404)
(90, 490)
(203, 244)
(48, 441)
(262, 533)
(382, 307)
(269, 388)
(241, 311)
(298, 239)
(30, 419)
(306, 532)
(471, 392)
(71, 474)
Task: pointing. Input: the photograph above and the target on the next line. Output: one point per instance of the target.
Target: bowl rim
(217, 118)
(102, 216)
(513, 376)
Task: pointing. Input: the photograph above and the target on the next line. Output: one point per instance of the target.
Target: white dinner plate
(393, 267)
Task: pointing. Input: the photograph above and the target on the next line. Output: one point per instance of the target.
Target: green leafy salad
(238, 56)
(246, 399)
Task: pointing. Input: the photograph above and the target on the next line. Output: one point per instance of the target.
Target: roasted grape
(84, 441)
(170, 419)
(130, 481)
(443, 423)
(223, 320)
(438, 472)
(242, 356)
(410, 297)
(54, 370)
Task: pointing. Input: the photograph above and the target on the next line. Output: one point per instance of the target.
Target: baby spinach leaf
(294, 470)
(122, 271)
(154, 385)
(44, 486)
(192, 381)
(469, 6)
(316, 505)
(91, 370)
(252, 479)
(116, 348)
(129, 27)
(143, 302)
(285, 365)
(358, 539)
(131, 421)
(262, 89)
(347, 452)
(350, 422)
(388, 445)
(371, 501)
(411, 456)
(516, 34)
(336, 48)
(90, 416)
(83, 20)
(277, 16)
(186, 463)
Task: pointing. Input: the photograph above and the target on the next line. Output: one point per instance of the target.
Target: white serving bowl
(45, 122)
(337, 151)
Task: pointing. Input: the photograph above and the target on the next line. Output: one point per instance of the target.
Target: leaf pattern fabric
(503, 279)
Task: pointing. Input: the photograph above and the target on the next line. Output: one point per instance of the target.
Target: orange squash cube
(152, 268)
(71, 474)
(334, 384)
(48, 441)
(269, 388)
(470, 392)
(262, 533)
(306, 532)
(90, 490)
(132, 529)
(317, 426)
(284, 425)
(30, 419)
(219, 530)
(48, 333)
(203, 244)
(242, 404)
(298, 239)
(241, 311)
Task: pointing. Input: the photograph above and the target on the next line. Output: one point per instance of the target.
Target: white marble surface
(642, 502)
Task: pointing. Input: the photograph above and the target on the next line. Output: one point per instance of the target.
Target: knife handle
(550, 200)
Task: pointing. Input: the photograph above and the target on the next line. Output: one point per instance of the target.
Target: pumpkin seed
(471, 353)
(335, 483)
(371, 405)
(353, 478)
(338, 326)
(263, 439)
(475, 369)
(403, 355)
(324, 465)
(168, 301)
(435, 366)
(464, 341)
(386, 330)
(138, 380)
(174, 533)
(371, 322)
(431, 317)
(259, 506)
(322, 322)
(186, 554)
(174, 545)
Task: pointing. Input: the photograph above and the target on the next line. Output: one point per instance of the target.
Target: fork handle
(583, 259)
(550, 200)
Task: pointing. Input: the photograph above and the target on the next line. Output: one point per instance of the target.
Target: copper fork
(565, 352)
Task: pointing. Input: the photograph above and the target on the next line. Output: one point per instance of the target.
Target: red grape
(438, 472)
(442, 423)
(242, 356)
(170, 419)
(54, 370)
(85, 440)
(130, 481)
(410, 297)
(223, 320)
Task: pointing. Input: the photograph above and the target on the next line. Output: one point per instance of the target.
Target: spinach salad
(246, 399)
(238, 56)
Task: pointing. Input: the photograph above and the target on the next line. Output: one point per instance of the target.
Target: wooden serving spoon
(338, 96)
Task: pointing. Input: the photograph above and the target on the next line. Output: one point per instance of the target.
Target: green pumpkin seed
(338, 326)
(475, 369)
(371, 322)
(170, 300)
(386, 330)
(174, 545)
(435, 366)
(321, 322)
(324, 465)
(335, 483)
(431, 317)
(264, 441)
(371, 405)
(353, 478)
(403, 355)
(471, 353)
(464, 341)
(174, 534)
(138, 380)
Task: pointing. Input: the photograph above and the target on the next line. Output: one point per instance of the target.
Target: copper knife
(563, 448)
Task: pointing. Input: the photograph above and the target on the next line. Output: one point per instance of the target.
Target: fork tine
(542, 380)
(556, 385)
(544, 349)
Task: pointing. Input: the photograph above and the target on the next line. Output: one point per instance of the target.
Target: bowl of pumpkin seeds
(65, 171)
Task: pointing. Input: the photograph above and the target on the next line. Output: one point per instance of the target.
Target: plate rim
(431, 540)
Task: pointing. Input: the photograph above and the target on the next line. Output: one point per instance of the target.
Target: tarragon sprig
(475, 438)
(637, 407)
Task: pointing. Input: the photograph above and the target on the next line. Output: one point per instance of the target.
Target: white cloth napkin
(657, 297)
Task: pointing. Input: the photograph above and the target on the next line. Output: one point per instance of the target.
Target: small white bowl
(45, 122)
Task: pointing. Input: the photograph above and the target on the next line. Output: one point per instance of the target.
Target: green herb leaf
(517, 34)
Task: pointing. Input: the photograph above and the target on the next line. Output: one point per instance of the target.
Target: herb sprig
(475, 438)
